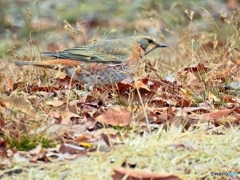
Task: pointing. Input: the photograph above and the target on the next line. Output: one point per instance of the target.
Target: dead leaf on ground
(141, 84)
(22, 104)
(71, 149)
(216, 114)
(42, 88)
(229, 99)
(66, 82)
(52, 130)
(122, 87)
(131, 174)
(55, 103)
(212, 97)
(36, 150)
(115, 116)
(67, 117)
(5, 160)
(20, 158)
(222, 117)
(196, 68)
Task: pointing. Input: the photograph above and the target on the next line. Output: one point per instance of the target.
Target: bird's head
(148, 44)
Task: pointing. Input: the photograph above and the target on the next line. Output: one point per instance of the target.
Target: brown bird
(102, 63)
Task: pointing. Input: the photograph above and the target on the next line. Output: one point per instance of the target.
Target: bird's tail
(22, 63)
(51, 63)
(50, 54)
(34, 63)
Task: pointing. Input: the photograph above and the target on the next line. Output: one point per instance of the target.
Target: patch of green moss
(28, 142)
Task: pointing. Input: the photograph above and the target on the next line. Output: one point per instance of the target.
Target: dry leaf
(131, 174)
(55, 103)
(19, 103)
(71, 148)
(216, 115)
(115, 116)
(212, 97)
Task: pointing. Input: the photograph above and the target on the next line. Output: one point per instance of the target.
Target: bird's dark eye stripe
(150, 40)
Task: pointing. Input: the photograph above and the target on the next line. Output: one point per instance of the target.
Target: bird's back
(110, 51)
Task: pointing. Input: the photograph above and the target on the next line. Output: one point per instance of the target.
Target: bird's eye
(150, 41)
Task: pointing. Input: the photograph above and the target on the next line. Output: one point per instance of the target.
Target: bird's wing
(98, 53)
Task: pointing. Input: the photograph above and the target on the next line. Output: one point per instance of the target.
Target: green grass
(26, 142)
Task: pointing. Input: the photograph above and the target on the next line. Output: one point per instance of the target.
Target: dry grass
(191, 154)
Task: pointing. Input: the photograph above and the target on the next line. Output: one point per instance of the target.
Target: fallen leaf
(115, 116)
(55, 103)
(130, 174)
(216, 114)
(67, 117)
(36, 150)
(141, 84)
(19, 158)
(5, 160)
(212, 97)
(71, 148)
(229, 98)
(22, 104)
(197, 68)
(42, 88)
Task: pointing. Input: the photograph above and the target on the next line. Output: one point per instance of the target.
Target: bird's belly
(107, 77)
(100, 74)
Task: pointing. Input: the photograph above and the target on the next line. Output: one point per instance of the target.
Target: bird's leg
(89, 86)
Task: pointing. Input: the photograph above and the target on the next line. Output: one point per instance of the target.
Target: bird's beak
(157, 46)
(161, 45)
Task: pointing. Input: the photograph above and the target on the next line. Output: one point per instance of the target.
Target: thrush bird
(102, 63)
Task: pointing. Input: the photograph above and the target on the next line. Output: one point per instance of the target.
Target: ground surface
(178, 118)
